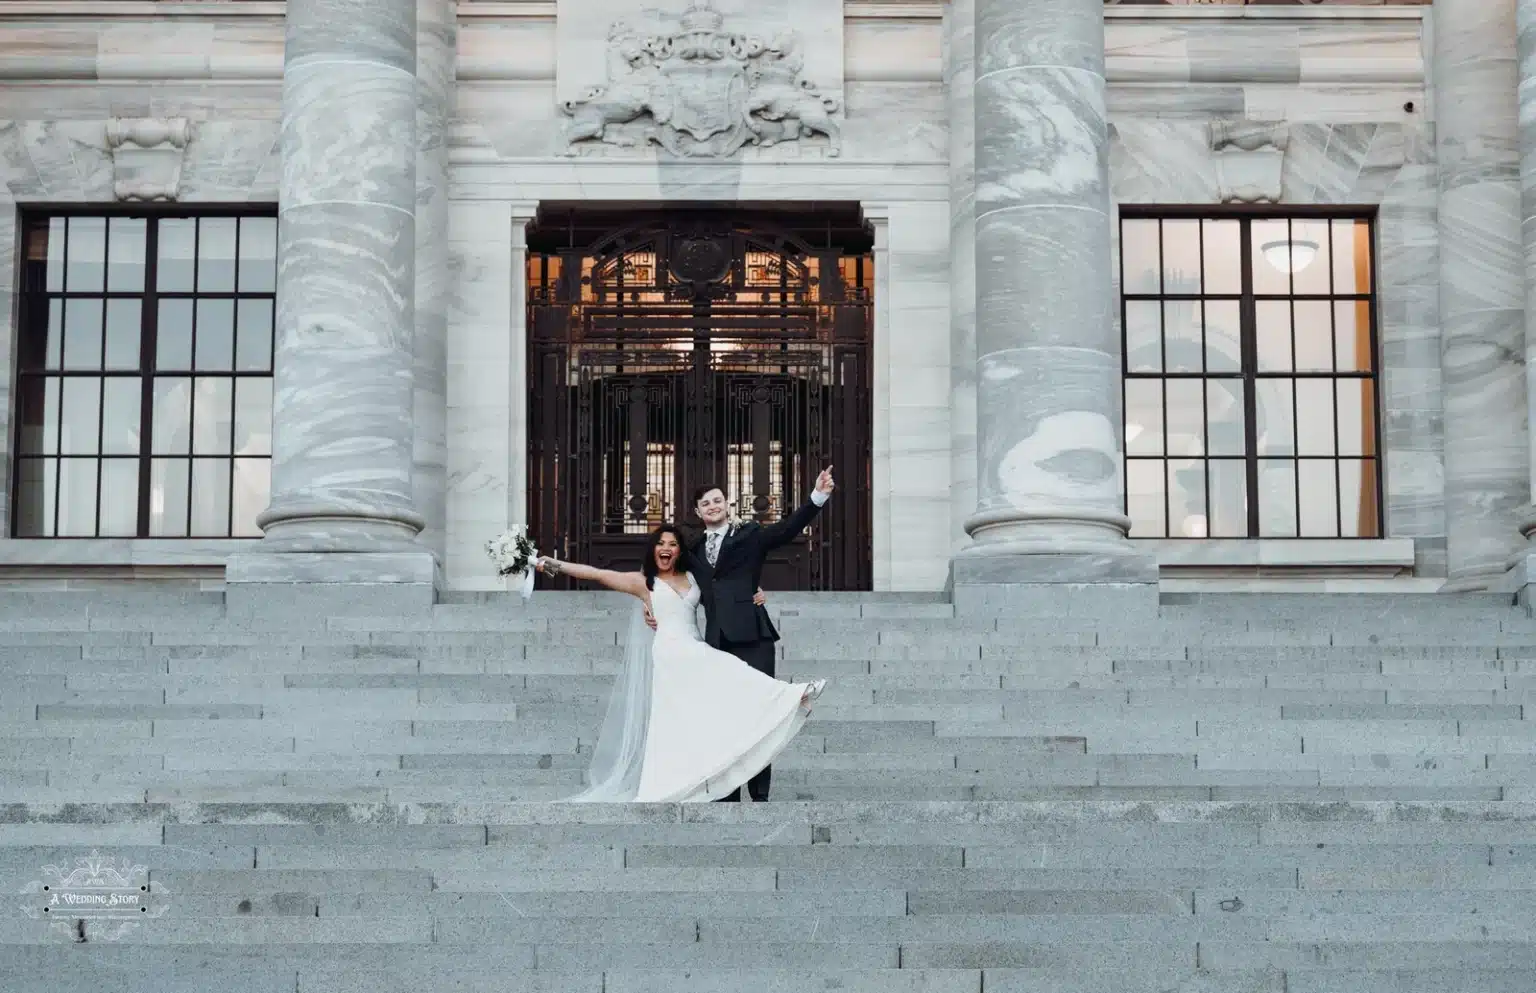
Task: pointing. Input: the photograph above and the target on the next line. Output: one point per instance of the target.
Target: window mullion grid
(147, 372)
(1333, 384)
(1125, 380)
(148, 349)
(1292, 377)
(58, 442)
(234, 386)
(197, 278)
(1290, 310)
(101, 375)
(1248, 357)
(1205, 390)
(1377, 462)
(26, 309)
(1162, 364)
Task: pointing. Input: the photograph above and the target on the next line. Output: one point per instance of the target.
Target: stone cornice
(513, 42)
(855, 9)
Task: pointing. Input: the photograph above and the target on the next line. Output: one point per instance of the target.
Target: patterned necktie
(712, 550)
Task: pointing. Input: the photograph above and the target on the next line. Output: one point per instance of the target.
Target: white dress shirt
(724, 527)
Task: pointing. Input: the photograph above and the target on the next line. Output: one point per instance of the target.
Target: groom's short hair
(704, 491)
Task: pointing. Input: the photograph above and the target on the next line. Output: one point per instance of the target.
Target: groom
(728, 562)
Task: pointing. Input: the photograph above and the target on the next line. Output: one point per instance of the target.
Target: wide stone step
(1245, 794)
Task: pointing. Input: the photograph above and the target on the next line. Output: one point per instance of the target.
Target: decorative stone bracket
(147, 156)
(1250, 160)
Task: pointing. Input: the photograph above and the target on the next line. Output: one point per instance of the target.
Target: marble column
(1481, 288)
(342, 434)
(1525, 29)
(436, 65)
(960, 86)
(1048, 369)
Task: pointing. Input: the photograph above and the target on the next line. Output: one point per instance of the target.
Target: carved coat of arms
(698, 90)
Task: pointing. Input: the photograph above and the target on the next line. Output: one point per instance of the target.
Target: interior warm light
(1290, 256)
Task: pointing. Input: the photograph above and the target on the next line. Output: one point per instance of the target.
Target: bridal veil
(613, 775)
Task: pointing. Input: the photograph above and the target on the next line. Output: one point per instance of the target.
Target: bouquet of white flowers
(513, 553)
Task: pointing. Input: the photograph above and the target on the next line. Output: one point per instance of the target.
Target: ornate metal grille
(695, 349)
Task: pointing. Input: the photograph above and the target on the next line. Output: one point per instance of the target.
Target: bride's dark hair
(683, 563)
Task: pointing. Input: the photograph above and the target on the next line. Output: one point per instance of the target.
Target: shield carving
(708, 97)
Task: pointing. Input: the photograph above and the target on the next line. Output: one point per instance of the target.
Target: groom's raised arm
(785, 531)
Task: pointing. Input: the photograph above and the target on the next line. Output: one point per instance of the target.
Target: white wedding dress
(688, 722)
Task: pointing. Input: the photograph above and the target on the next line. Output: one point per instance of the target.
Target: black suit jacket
(727, 588)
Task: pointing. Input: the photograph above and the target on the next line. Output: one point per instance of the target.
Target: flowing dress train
(714, 721)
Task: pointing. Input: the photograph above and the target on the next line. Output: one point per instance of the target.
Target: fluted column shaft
(342, 434)
(1048, 359)
(436, 69)
(1487, 463)
(960, 85)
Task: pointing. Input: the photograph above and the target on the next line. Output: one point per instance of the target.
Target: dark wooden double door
(689, 348)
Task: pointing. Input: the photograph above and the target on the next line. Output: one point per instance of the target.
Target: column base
(276, 589)
(1521, 577)
(1055, 584)
(1476, 584)
(1055, 562)
(1519, 581)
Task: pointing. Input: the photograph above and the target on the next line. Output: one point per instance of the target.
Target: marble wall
(912, 395)
(1339, 80)
(1349, 93)
(486, 408)
(1388, 164)
(67, 161)
(509, 149)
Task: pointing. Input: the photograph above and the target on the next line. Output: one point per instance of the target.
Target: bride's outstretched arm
(632, 583)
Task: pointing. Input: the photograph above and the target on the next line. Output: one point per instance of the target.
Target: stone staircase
(1236, 794)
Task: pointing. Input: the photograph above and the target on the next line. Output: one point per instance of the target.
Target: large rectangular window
(144, 374)
(1250, 376)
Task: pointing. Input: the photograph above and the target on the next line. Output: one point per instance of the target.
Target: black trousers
(762, 656)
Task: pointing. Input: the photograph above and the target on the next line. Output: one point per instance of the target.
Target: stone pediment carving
(700, 90)
(147, 156)
(1250, 160)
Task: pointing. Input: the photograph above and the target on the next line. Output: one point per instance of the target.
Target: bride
(685, 722)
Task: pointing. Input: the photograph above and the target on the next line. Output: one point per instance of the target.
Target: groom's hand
(825, 483)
